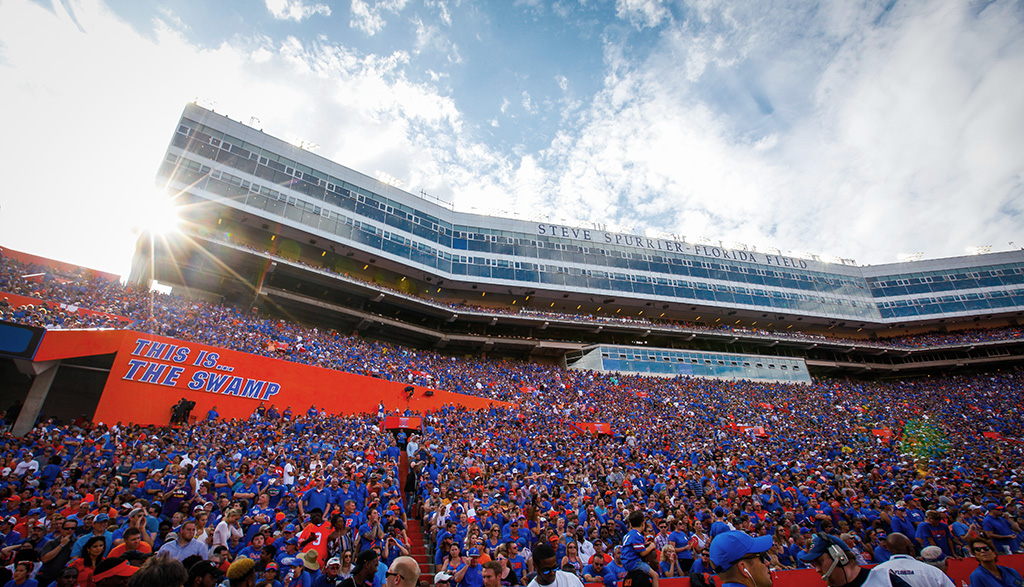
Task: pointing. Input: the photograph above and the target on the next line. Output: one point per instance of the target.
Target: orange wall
(66, 344)
(146, 381)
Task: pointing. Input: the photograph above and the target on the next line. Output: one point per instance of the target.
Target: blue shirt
(680, 540)
(983, 578)
(632, 546)
(938, 535)
(994, 525)
(616, 570)
(605, 574)
(698, 567)
(316, 498)
(76, 550)
(473, 578)
(180, 553)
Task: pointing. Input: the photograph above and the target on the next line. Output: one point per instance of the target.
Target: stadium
(478, 383)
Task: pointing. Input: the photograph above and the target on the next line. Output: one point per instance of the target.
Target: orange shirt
(120, 549)
(319, 543)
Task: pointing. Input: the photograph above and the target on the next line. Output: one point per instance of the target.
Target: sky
(855, 129)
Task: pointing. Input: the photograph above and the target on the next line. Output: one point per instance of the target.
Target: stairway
(418, 550)
(417, 541)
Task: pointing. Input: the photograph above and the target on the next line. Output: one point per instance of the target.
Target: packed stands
(844, 456)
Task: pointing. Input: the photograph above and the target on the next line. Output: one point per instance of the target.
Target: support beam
(36, 397)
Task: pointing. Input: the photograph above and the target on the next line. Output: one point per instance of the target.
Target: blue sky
(863, 130)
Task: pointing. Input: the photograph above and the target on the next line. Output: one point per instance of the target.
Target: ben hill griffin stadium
(276, 228)
(287, 230)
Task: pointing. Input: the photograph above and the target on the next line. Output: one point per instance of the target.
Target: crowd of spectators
(909, 341)
(938, 458)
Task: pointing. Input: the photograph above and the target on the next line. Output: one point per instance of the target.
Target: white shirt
(562, 579)
(224, 532)
(586, 550)
(25, 466)
(914, 572)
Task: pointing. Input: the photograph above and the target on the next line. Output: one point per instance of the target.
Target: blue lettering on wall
(162, 371)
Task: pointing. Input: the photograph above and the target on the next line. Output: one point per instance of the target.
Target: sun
(159, 215)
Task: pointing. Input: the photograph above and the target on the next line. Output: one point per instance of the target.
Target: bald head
(898, 544)
(408, 570)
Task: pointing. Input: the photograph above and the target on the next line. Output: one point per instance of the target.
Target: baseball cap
(442, 578)
(334, 561)
(821, 546)
(364, 557)
(204, 568)
(474, 552)
(729, 547)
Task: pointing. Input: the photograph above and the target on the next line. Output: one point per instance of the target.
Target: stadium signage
(654, 244)
(162, 363)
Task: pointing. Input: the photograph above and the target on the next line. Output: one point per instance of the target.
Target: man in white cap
(329, 577)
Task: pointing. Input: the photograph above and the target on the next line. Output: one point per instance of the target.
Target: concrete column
(45, 373)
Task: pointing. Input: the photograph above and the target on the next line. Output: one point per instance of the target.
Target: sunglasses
(982, 549)
(390, 574)
(762, 556)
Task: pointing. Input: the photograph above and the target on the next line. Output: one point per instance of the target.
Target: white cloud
(84, 157)
(296, 10)
(369, 17)
(907, 135)
(910, 137)
(528, 104)
(642, 13)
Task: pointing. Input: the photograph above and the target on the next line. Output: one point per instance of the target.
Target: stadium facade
(236, 166)
(244, 191)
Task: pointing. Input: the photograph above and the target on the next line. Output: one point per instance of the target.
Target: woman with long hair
(670, 562)
(227, 528)
(346, 565)
(92, 554)
(572, 557)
